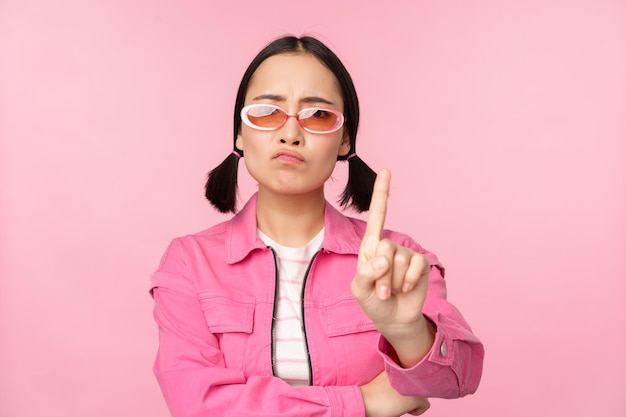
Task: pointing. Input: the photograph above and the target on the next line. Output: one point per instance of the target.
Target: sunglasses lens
(266, 117)
(318, 120)
(270, 117)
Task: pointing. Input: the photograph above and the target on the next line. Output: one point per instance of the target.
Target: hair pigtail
(221, 185)
(358, 191)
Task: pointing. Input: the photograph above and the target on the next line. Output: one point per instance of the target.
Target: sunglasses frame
(244, 118)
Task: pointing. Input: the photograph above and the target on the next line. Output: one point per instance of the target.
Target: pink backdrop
(504, 123)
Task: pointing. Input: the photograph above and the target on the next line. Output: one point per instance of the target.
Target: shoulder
(201, 241)
(243, 222)
(398, 237)
(407, 241)
(185, 254)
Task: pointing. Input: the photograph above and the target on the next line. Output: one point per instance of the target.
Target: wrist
(411, 343)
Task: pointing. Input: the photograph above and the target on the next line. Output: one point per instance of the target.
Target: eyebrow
(276, 97)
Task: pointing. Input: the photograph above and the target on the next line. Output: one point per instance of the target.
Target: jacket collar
(341, 234)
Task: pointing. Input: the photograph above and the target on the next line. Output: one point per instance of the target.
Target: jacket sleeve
(453, 366)
(193, 376)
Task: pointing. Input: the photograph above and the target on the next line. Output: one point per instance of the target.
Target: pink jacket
(214, 301)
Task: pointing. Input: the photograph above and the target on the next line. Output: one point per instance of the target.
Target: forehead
(294, 76)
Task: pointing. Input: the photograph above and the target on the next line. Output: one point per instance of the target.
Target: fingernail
(406, 287)
(383, 292)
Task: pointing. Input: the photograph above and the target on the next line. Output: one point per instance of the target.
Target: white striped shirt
(290, 350)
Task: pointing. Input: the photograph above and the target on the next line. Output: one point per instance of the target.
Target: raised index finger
(378, 205)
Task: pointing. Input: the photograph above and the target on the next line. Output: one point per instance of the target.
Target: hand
(382, 400)
(391, 282)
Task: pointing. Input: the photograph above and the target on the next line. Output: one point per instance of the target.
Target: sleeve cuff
(441, 354)
(345, 401)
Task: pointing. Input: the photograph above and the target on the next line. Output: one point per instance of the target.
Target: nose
(291, 132)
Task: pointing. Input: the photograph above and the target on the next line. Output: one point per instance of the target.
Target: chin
(298, 189)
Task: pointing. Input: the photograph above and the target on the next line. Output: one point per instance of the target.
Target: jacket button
(444, 349)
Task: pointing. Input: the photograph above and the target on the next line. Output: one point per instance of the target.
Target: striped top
(290, 350)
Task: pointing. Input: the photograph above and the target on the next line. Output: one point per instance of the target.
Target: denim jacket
(214, 297)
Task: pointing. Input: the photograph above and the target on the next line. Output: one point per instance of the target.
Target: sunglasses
(271, 117)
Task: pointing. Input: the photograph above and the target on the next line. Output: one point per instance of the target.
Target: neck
(291, 220)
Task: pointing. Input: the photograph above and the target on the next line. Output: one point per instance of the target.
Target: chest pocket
(344, 316)
(353, 339)
(231, 319)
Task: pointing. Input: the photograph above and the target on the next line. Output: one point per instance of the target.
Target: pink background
(504, 124)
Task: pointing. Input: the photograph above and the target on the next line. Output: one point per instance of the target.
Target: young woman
(290, 308)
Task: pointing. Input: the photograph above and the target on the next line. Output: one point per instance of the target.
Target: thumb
(368, 276)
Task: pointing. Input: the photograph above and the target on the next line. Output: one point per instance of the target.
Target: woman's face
(290, 160)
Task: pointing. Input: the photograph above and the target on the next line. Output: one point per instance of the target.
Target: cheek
(332, 147)
(249, 140)
(328, 152)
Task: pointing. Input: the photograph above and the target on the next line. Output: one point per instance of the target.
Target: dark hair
(221, 186)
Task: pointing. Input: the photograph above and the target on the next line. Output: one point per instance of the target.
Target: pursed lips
(288, 156)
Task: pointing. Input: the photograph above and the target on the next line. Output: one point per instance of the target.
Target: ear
(344, 147)
(239, 141)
